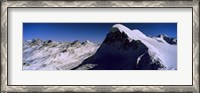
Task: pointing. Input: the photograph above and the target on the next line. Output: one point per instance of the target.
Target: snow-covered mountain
(122, 49)
(165, 39)
(169, 40)
(131, 49)
(51, 55)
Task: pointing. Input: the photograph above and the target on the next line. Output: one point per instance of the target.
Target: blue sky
(95, 32)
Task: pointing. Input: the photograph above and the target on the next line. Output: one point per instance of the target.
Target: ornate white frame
(4, 29)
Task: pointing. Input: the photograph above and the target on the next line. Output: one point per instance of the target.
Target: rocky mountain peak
(169, 40)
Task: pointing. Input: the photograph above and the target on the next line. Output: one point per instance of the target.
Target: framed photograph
(100, 46)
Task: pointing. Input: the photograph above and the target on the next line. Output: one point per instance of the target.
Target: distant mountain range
(122, 49)
(51, 55)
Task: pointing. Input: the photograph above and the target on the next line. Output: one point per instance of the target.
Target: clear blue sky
(95, 32)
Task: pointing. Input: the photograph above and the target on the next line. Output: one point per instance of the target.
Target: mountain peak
(162, 35)
(36, 40)
(134, 34)
(121, 28)
(87, 42)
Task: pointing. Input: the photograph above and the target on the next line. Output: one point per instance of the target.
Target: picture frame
(5, 5)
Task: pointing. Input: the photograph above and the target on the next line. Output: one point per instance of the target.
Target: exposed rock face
(147, 63)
